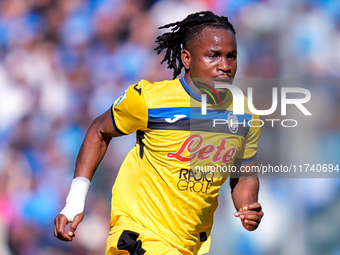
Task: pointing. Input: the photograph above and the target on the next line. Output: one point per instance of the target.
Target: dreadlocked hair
(181, 31)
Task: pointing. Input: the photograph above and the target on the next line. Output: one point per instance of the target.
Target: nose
(224, 65)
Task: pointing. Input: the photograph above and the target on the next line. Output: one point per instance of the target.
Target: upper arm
(105, 126)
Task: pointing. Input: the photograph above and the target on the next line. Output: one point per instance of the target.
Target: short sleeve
(129, 111)
(248, 151)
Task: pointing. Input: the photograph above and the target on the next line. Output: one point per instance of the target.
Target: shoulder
(164, 94)
(144, 84)
(158, 88)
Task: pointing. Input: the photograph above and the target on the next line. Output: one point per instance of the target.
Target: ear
(186, 58)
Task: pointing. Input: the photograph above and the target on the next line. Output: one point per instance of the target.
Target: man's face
(212, 54)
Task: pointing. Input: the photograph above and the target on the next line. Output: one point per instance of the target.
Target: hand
(59, 226)
(250, 216)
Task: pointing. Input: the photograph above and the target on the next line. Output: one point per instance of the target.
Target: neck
(222, 94)
(191, 84)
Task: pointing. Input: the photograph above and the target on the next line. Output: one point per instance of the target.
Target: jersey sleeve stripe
(114, 123)
(248, 159)
(195, 113)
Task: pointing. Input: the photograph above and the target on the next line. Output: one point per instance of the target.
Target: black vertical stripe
(140, 135)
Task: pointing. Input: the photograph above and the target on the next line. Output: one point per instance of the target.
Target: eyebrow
(214, 49)
(219, 51)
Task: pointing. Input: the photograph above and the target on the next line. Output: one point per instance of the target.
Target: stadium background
(64, 62)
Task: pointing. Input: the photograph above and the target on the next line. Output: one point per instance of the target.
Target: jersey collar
(190, 91)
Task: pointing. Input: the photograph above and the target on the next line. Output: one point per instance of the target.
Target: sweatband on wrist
(75, 200)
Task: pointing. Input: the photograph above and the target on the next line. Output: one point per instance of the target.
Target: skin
(90, 155)
(210, 55)
(244, 192)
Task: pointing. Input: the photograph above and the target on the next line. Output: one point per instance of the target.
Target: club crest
(232, 122)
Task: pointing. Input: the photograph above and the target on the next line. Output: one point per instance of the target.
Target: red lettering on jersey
(192, 144)
(228, 155)
(220, 148)
(206, 150)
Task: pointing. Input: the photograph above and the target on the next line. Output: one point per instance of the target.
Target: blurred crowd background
(64, 62)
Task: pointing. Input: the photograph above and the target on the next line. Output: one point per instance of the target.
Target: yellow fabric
(152, 244)
(158, 186)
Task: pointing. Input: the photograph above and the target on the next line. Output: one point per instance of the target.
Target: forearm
(245, 191)
(92, 151)
(90, 155)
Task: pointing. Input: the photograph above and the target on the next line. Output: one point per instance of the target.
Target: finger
(255, 207)
(251, 223)
(250, 227)
(77, 219)
(59, 229)
(251, 217)
(244, 208)
(260, 213)
(252, 207)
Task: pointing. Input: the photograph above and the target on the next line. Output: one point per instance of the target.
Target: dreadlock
(181, 31)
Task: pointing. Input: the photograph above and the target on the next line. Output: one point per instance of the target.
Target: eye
(212, 56)
(232, 55)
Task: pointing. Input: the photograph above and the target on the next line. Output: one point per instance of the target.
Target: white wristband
(75, 200)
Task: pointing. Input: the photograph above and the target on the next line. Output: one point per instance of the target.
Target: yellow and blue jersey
(158, 185)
